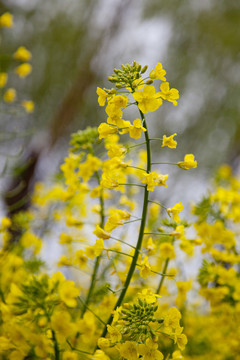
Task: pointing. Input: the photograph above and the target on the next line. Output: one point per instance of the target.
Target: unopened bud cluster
(136, 319)
(127, 75)
(84, 138)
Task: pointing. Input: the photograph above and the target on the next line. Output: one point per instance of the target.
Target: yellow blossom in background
(5, 223)
(169, 94)
(10, 95)
(22, 54)
(28, 106)
(188, 163)
(68, 293)
(6, 20)
(80, 259)
(148, 99)
(183, 288)
(158, 73)
(3, 79)
(169, 141)
(177, 355)
(175, 210)
(114, 333)
(69, 355)
(23, 70)
(167, 250)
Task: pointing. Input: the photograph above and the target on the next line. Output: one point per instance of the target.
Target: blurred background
(76, 44)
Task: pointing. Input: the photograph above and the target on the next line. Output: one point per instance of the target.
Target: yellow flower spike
(175, 210)
(28, 106)
(188, 163)
(147, 99)
(6, 20)
(158, 73)
(168, 141)
(10, 95)
(99, 232)
(3, 79)
(23, 70)
(168, 94)
(22, 54)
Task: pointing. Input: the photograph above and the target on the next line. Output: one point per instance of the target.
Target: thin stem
(119, 252)
(158, 233)
(75, 349)
(155, 202)
(141, 230)
(133, 146)
(162, 279)
(91, 311)
(133, 185)
(163, 163)
(130, 221)
(121, 241)
(97, 261)
(135, 167)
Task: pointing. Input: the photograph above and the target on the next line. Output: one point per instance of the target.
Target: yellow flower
(119, 101)
(158, 73)
(22, 54)
(149, 350)
(188, 163)
(148, 295)
(6, 20)
(115, 150)
(23, 70)
(99, 232)
(102, 96)
(114, 333)
(103, 343)
(5, 223)
(177, 355)
(5, 344)
(175, 210)
(128, 350)
(68, 292)
(145, 268)
(3, 79)
(105, 130)
(168, 141)
(69, 355)
(10, 95)
(169, 94)
(147, 99)
(108, 182)
(95, 250)
(153, 179)
(171, 319)
(136, 129)
(28, 106)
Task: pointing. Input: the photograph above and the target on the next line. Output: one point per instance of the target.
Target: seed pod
(149, 82)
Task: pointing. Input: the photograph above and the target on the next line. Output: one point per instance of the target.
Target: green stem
(56, 348)
(135, 167)
(143, 186)
(163, 163)
(158, 233)
(97, 261)
(123, 242)
(155, 202)
(133, 146)
(141, 231)
(119, 252)
(163, 277)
